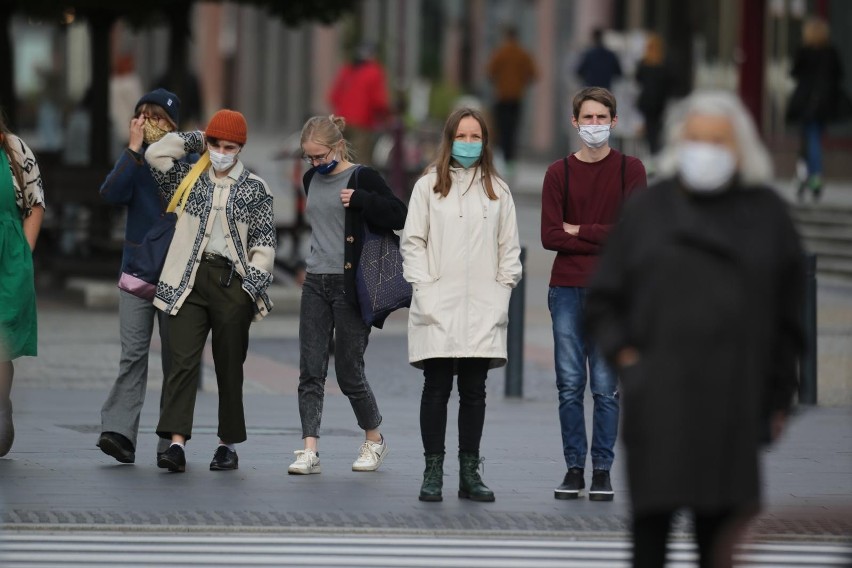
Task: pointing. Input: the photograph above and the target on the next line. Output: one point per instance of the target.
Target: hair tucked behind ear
(327, 131)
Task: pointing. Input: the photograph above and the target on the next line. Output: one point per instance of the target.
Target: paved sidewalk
(55, 477)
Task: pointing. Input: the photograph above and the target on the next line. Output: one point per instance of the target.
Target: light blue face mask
(466, 153)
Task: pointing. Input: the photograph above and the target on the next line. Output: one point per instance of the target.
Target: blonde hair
(755, 165)
(327, 131)
(815, 32)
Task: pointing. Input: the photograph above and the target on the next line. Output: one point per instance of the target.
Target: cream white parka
(462, 256)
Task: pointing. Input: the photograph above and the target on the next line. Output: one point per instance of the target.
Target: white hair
(755, 165)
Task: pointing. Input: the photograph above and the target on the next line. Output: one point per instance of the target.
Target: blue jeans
(812, 136)
(572, 353)
(325, 312)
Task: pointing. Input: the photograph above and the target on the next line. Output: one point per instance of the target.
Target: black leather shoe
(173, 459)
(115, 445)
(224, 459)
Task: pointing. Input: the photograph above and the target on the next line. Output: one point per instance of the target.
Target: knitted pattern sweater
(248, 224)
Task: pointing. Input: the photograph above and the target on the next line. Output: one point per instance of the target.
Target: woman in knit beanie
(215, 278)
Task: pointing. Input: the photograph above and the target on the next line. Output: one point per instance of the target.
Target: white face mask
(705, 167)
(222, 162)
(594, 135)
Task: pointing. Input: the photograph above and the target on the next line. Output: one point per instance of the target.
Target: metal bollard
(808, 363)
(515, 337)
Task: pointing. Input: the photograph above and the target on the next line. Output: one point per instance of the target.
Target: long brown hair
(6, 145)
(442, 161)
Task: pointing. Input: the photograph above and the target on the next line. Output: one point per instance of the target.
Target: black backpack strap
(565, 192)
(623, 167)
(306, 179)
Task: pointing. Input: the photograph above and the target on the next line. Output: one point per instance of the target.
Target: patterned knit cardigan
(250, 229)
(32, 193)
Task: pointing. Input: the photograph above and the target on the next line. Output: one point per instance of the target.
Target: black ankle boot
(470, 484)
(433, 478)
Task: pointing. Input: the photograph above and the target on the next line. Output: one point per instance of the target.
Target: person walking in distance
(341, 198)
(599, 65)
(131, 184)
(21, 214)
(581, 199)
(511, 70)
(461, 254)
(359, 95)
(215, 277)
(698, 302)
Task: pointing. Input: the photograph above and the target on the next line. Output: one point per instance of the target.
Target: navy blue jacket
(131, 184)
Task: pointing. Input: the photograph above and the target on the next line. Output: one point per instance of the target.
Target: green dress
(18, 323)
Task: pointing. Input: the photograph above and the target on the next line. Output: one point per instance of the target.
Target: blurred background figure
(708, 260)
(511, 69)
(359, 94)
(125, 89)
(598, 65)
(816, 100)
(655, 87)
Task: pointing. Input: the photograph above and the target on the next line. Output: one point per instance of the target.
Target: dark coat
(373, 202)
(709, 289)
(818, 94)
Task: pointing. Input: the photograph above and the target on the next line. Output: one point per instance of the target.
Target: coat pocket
(502, 295)
(424, 303)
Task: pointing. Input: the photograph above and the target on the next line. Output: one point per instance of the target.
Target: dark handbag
(378, 278)
(142, 272)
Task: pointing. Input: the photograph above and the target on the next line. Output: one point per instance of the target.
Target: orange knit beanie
(227, 125)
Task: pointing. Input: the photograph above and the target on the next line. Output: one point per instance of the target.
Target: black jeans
(651, 534)
(437, 387)
(325, 311)
(508, 115)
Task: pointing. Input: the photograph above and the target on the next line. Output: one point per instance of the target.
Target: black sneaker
(173, 459)
(118, 446)
(224, 459)
(572, 486)
(601, 489)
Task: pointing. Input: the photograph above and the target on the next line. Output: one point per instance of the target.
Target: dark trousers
(651, 534)
(438, 385)
(227, 310)
(508, 115)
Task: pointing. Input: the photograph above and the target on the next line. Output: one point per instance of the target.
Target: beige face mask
(152, 133)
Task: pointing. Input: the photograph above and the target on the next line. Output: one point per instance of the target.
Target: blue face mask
(466, 153)
(327, 167)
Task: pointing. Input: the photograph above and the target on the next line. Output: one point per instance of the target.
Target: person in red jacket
(580, 202)
(359, 94)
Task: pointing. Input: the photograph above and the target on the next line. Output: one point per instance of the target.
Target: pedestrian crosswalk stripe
(45, 549)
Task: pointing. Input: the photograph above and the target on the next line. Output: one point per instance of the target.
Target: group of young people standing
(706, 260)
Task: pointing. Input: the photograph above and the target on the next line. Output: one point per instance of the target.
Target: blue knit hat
(165, 99)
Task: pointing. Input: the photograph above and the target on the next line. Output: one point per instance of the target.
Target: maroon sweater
(594, 200)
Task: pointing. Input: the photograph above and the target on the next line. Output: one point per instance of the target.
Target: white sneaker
(371, 456)
(307, 462)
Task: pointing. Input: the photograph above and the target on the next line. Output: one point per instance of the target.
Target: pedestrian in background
(697, 303)
(130, 184)
(21, 214)
(461, 254)
(511, 69)
(817, 99)
(581, 198)
(599, 66)
(359, 95)
(215, 277)
(655, 88)
(341, 198)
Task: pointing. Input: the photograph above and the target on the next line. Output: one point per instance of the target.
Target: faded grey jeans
(123, 406)
(325, 311)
